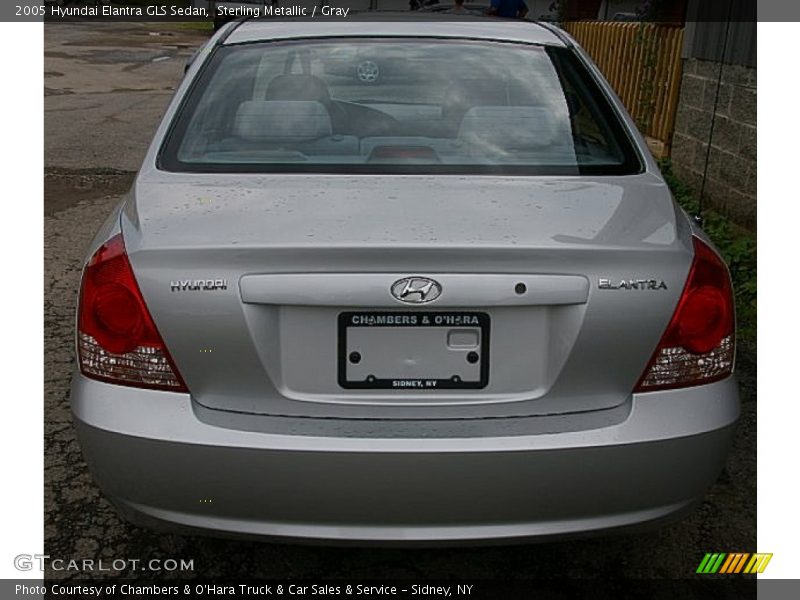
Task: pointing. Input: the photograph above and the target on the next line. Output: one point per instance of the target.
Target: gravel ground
(84, 179)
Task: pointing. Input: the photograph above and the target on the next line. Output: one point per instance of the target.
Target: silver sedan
(459, 304)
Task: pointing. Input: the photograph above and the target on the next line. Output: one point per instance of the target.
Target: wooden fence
(642, 62)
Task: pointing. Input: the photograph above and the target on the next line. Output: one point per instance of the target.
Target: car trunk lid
(268, 268)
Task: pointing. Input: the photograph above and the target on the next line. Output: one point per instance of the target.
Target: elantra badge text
(630, 284)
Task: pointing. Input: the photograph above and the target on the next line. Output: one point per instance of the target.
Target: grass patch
(194, 26)
(737, 246)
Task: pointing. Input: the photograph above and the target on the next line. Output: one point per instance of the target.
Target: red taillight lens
(703, 321)
(698, 345)
(117, 339)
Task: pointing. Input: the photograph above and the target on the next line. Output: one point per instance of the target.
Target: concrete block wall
(731, 179)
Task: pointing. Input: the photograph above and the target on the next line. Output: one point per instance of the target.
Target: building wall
(709, 43)
(731, 162)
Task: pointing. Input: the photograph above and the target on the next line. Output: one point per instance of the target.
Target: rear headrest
(462, 95)
(508, 127)
(281, 121)
(298, 87)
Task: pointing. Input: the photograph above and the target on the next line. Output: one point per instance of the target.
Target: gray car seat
(293, 125)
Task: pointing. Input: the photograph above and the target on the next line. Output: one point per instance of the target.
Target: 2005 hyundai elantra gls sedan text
(459, 304)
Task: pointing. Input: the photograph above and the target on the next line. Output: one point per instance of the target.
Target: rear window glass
(397, 106)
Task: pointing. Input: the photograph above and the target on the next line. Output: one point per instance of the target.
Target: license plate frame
(409, 320)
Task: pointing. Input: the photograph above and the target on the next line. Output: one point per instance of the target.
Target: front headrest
(281, 121)
(508, 127)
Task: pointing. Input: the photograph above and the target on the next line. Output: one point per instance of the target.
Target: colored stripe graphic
(727, 564)
(715, 567)
(758, 563)
(735, 562)
(703, 563)
(711, 562)
(742, 561)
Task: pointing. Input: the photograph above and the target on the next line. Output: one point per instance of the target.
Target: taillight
(698, 345)
(117, 339)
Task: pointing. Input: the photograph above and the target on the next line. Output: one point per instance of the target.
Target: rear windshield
(362, 105)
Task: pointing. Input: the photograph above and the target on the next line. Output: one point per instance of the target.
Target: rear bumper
(163, 465)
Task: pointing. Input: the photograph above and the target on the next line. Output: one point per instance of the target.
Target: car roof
(401, 24)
